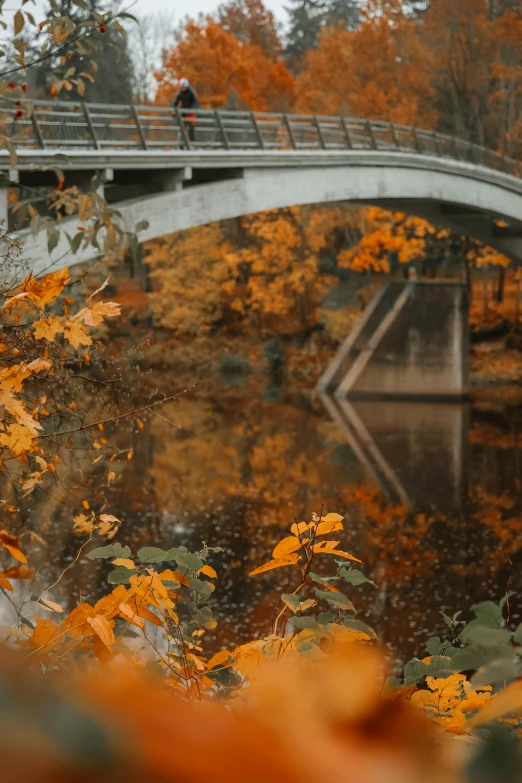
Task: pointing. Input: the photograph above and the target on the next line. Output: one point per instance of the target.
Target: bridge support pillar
(411, 342)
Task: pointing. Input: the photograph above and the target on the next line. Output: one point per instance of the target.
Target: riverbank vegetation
(117, 660)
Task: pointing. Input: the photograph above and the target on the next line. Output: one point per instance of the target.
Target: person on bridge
(187, 99)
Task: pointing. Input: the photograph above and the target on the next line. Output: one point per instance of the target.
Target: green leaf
(142, 226)
(391, 686)
(325, 618)
(337, 599)
(485, 637)
(355, 577)
(489, 614)
(152, 554)
(112, 550)
(517, 638)
(495, 672)
(434, 645)
(188, 561)
(292, 601)
(472, 657)
(75, 242)
(305, 622)
(202, 588)
(322, 580)
(121, 575)
(357, 625)
(53, 237)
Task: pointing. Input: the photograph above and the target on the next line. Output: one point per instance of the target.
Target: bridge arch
(468, 198)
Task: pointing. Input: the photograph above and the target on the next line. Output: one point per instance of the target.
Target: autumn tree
(375, 71)
(308, 17)
(226, 72)
(251, 22)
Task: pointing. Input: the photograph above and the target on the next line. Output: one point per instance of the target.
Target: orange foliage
(225, 72)
(376, 71)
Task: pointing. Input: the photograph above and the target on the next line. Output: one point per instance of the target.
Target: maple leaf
(83, 524)
(76, 334)
(18, 439)
(44, 290)
(48, 328)
(17, 409)
(92, 316)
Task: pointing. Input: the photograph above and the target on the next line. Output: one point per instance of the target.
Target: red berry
(24, 87)
(12, 85)
(18, 102)
(19, 113)
(102, 28)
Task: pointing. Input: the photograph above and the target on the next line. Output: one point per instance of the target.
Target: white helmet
(183, 82)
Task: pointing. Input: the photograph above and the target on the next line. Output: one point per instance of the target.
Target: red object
(19, 113)
(102, 28)
(12, 85)
(24, 87)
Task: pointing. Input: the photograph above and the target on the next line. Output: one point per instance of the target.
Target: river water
(430, 495)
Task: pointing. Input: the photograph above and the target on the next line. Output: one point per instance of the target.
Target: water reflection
(430, 494)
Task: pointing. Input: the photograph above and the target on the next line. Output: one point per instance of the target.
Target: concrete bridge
(243, 162)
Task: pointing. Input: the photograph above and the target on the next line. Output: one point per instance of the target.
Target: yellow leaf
(103, 629)
(329, 525)
(123, 561)
(82, 524)
(48, 328)
(277, 563)
(218, 659)
(92, 316)
(51, 606)
(325, 545)
(109, 518)
(131, 615)
(302, 527)
(76, 333)
(85, 504)
(18, 439)
(330, 550)
(286, 546)
(76, 624)
(209, 571)
(44, 290)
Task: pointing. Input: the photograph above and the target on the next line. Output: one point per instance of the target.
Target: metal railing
(65, 125)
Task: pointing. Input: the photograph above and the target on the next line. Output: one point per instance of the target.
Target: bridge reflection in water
(417, 453)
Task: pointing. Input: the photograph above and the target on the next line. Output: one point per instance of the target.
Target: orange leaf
(124, 561)
(102, 628)
(302, 527)
(208, 571)
(5, 583)
(218, 659)
(12, 545)
(150, 616)
(19, 572)
(44, 633)
(277, 563)
(173, 576)
(338, 552)
(287, 545)
(51, 606)
(325, 545)
(131, 615)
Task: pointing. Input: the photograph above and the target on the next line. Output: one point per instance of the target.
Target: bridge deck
(70, 127)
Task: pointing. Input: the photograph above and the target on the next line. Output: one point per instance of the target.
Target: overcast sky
(181, 8)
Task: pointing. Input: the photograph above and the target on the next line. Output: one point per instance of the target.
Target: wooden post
(141, 132)
(90, 125)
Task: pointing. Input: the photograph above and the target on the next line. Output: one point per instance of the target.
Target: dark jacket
(186, 99)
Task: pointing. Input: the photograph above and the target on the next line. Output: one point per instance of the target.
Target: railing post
(141, 132)
(90, 125)
(372, 135)
(436, 143)
(416, 139)
(37, 129)
(322, 140)
(346, 134)
(394, 135)
(182, 129)
(290, 131)
(222, 129)
(257, 130)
